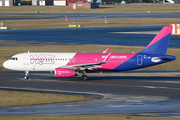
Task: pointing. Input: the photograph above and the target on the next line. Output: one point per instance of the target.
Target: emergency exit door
(139, 60)
(26, 59)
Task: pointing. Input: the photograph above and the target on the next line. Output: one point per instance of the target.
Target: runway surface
(128, 36)
(84, 16)
(120, 96)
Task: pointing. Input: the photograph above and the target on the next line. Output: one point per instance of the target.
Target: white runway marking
(175, 82)
(34, 79)
(141, 32)
(63, 91)
(159, 87)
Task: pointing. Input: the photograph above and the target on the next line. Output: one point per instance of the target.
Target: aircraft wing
(88, 66)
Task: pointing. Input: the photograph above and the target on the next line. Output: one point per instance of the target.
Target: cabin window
(13, 58)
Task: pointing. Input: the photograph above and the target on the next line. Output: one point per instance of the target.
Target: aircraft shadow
(94, 78)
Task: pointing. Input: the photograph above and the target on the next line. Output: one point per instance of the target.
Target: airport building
(80, 5)
(9, 2)
(73, 4)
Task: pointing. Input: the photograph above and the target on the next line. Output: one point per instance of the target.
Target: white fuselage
(38, 61)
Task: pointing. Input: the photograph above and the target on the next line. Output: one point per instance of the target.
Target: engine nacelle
(65, 72)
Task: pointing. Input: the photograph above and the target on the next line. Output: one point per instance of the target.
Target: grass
(13, 98)
(27, 15)
(7, 51)
(88, 23)
(54, 117)
(129, 8)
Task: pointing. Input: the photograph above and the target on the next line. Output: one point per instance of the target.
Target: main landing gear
(84, 76)
(26, 75)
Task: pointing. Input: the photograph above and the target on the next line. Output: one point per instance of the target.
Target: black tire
(26, 77)
(84, 77)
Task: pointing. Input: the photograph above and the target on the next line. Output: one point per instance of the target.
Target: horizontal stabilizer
(158, 59)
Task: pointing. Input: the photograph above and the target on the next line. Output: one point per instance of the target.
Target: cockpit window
(14, 58)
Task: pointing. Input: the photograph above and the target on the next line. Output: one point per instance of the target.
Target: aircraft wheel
(84, 77)
(26, 77)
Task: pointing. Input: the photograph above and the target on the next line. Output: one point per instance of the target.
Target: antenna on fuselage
(28, 51)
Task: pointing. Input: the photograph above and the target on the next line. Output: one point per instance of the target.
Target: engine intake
(65, 72)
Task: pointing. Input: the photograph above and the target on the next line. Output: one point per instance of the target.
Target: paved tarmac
(84, 16)
(128, 36)
(120, 96)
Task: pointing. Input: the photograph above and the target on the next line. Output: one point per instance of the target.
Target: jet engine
(65, 72)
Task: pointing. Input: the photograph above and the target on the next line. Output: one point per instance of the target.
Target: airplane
(75, 64)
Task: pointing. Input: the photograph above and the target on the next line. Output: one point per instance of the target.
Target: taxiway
(147, 96)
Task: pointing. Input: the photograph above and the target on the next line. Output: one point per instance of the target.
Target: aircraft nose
(6, 64)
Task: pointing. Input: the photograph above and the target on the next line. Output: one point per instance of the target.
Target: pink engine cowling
(65, 72)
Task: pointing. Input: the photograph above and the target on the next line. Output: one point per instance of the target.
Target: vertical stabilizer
(160, 42)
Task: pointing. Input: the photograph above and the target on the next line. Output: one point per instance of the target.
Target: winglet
(106, 50)
(107, 57)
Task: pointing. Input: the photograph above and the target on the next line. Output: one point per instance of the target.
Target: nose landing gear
(26, 75)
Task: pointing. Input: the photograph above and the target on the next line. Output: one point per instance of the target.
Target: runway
(103, 36)
(120, 96)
